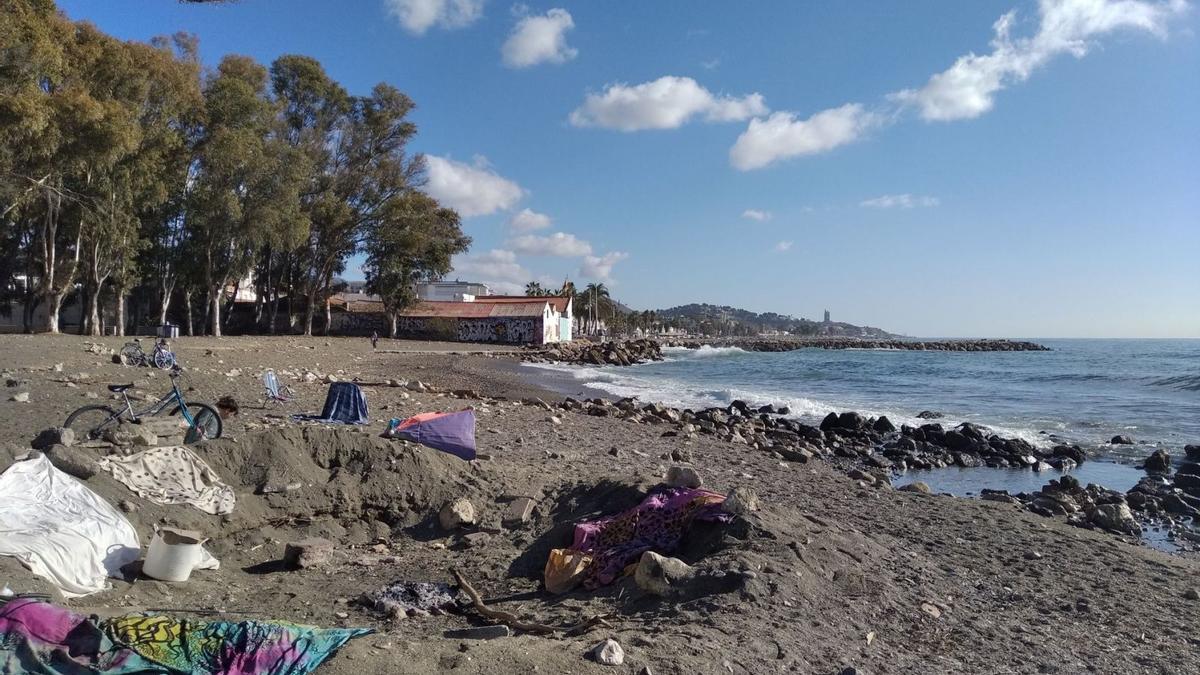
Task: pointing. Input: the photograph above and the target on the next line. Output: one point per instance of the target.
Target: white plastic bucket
(173, 554)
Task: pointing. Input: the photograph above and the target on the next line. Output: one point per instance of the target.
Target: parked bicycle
(91, 421)
(162, 357)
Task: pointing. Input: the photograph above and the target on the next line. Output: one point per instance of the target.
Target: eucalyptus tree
(413, 239)
(246, 184)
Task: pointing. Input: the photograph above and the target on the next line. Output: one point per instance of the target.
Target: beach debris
(51, 437)
(683, 477)
(73, 461)
(740, 501)
(308, 552)
(513, 621)
(608, 653)
(519, 511)
(456, 514)
(917, 486)
(659, 575)
(410, 598)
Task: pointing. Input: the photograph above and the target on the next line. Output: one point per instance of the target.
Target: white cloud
(539, 39)
(471, 189)
(710, 64)
(559, 244)
(418, 16)
(782, 135)
(528, 220)
(756, 214)
(666, 103)
(967, 88)
(904, 201)
(600, 267)
(498, 268)
(783, 246)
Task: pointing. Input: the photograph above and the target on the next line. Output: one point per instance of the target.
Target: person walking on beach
(374, 339)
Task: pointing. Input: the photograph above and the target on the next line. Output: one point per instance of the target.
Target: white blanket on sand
(172, 475)
(61, 530)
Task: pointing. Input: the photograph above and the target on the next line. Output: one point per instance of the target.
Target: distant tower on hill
(826, 316)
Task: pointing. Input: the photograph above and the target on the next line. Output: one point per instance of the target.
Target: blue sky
(1010, 168)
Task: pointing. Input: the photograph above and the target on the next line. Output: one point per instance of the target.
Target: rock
(330, 379)
(916, 486)
(883, 425)
(1192, 594)
(519, 511)
(478, 633)
(740, 501)
(73, 461)
(608, 653)
(1158, 462)
(1032, 555)
(683, 476)
(145, 438)
(1121, 440)
(128, 506)
(20, 397)
(476, 539)
(659, 575)
(457, 513)
(929, 415)
(120, 359)
(1115, 518)
(310, 377)
(53, 436)
(418, 386)
(308, 552)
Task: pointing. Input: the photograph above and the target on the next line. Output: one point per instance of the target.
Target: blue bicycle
(91, 421)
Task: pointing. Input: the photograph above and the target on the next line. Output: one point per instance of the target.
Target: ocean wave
(702, 352)
(1184, 382)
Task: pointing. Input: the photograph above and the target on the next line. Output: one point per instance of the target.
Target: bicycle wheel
(164, 360)
(90, 421)
(134, 355)
(206, 422)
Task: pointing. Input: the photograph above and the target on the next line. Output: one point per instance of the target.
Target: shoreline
(829, 557)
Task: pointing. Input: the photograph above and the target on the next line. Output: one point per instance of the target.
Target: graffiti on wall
(359, 323)
(506, 330)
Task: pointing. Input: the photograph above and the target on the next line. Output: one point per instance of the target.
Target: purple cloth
(449, 432)
(657, 524)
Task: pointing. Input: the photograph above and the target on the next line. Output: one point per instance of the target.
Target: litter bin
(168, 330)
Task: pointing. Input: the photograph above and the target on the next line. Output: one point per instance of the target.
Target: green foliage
(126, 166)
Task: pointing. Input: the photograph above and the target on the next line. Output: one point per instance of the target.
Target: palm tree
(596, 297)
(534, 289)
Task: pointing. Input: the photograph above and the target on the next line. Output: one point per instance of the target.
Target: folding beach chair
(274, 392)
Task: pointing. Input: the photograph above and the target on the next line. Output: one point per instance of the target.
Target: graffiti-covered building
(533, 321)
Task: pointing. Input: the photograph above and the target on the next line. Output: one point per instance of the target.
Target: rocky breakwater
(853, 440)
(1170, 496)
(787, 344)
(614, 353)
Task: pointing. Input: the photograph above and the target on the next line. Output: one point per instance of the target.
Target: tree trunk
(187, 303)
(120, 312)
(393, 317)
(215, 316)
(94, 327)
(166, 289)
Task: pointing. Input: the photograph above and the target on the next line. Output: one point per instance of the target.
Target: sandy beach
(828, 574)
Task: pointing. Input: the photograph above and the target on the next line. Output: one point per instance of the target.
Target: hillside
(723, 320)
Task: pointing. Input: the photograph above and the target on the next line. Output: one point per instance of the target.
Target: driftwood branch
(513, 621)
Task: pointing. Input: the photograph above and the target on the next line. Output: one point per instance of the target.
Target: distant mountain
(723, 320)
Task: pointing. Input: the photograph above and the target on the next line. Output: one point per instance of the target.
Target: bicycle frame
(174, 396)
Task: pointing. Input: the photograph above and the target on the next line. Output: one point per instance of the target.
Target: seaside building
(827, 316)
(451, 291)
(488, 318)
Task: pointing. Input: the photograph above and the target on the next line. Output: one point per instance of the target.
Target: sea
(1082, 391)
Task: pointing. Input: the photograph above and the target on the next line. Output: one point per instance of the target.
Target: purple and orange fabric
(449, 432)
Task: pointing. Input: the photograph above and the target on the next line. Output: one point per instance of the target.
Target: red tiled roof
(558, 302)
(475, 310)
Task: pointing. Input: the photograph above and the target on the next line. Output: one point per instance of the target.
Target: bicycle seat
(118, 388)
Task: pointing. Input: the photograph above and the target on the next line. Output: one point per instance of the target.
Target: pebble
(1192, 594)
(608, 653)
(1033, 555)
